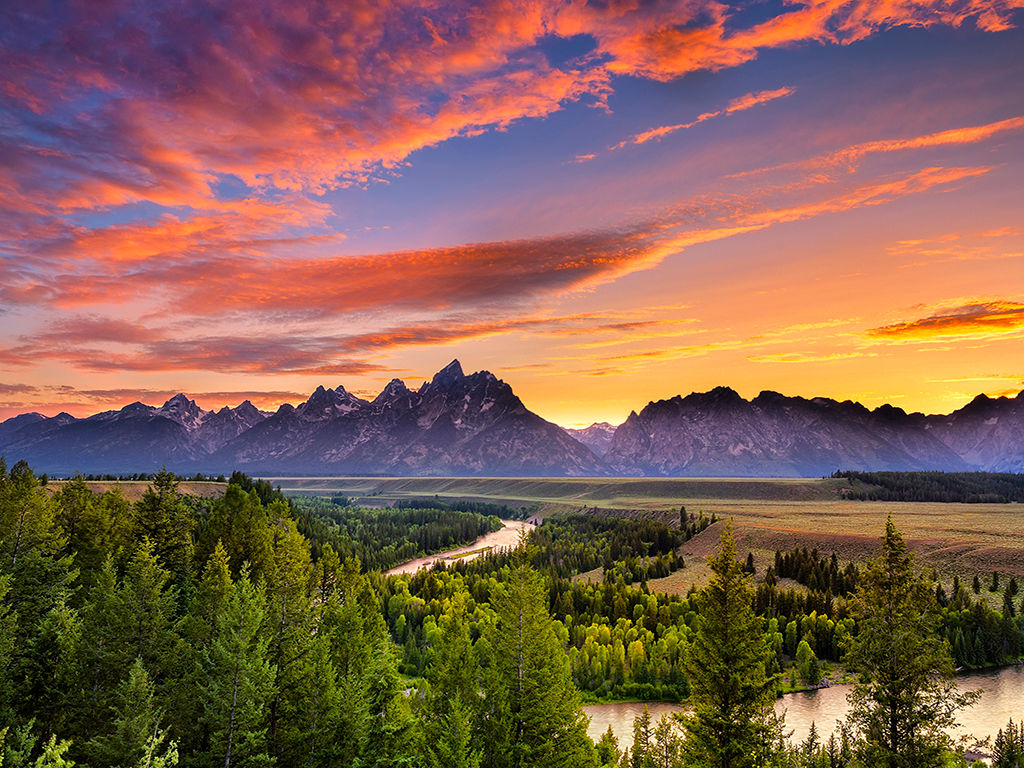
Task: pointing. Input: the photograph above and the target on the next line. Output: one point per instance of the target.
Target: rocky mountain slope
(458, 424)
(718, 433)
(453, 424)
(597, 437)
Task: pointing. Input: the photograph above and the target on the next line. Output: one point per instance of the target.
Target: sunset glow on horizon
(602, 203)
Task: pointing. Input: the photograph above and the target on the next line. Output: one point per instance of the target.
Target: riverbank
(506, 537)
(1002, 697)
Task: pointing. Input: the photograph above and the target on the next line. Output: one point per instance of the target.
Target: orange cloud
(308, 96)
(804, 357)
(736, 105)
(754, 99)
(1003, 243)
(851, 154)
(981, 318)
(97, 344)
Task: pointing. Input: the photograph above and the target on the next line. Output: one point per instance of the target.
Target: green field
(770, 514)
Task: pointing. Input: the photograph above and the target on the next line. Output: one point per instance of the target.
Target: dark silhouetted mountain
(458, 424)
(720, 433)
(135, 438)
(988, 433)
(453, 425)
(597, 437)
(12, 426)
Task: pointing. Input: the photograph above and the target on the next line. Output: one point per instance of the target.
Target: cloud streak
(973, 319)
(738, 104)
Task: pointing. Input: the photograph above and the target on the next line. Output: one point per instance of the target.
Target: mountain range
(458, 424)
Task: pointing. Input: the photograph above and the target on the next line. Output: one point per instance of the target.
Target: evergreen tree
(1008, 748)
(99, 657)
(640, 755)
(664, 751)
(238, 680)
(147, 605)
(452, 705)
(908, 696)
(607, 746)
(290, 617)
(8, 633)
(162, 517)
(530, 697)
(136, 737)
(53, 755)
(730, 724)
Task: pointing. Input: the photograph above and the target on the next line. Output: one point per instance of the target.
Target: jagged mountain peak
(449, 375)
(327, 403)
(475, 424)
(395, 389)
(183, 410)
(246, 408)
(597, 437)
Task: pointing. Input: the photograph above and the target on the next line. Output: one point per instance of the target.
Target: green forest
(257, 630)
(964, 487)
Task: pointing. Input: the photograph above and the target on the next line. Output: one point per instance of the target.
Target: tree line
(215, 632)
(964, 487)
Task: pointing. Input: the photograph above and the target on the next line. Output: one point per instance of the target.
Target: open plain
(769, 514)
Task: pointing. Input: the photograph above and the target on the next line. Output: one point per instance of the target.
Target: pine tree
(82, 517)
(99, 658)
(147, 604)
(531, 699)
(608, 746)
(909, 698)
(290, 617)
(1008, 748)
(49, 669)
(53, 755)
(238, 680)
(731, 695)
(640, 757)
(162, 517)
(451, 706)
(664, 751)
(8, 633)
(136, 736)
(197, 630)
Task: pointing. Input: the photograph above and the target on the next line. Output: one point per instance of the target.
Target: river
(1002, 697)
(507, 536)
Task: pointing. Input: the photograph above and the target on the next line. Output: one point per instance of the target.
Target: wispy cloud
(807, 357)
(736, 105)
(851, 154)
(974, 319)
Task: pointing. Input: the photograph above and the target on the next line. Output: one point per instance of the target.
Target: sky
(604, 203)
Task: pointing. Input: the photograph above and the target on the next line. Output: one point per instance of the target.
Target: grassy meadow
(769, 514)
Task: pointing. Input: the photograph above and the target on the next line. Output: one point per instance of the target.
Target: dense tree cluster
(965, 487)
(1008, 748)
(240, 632)
(143, 634)
(384, 538)
(815, 571)
(486, 508)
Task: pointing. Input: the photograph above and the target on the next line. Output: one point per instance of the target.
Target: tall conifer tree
(531, 699)
(731, 694)
(909, 699)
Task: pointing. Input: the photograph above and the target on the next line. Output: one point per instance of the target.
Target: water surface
(506, 537)
(1002, 697)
